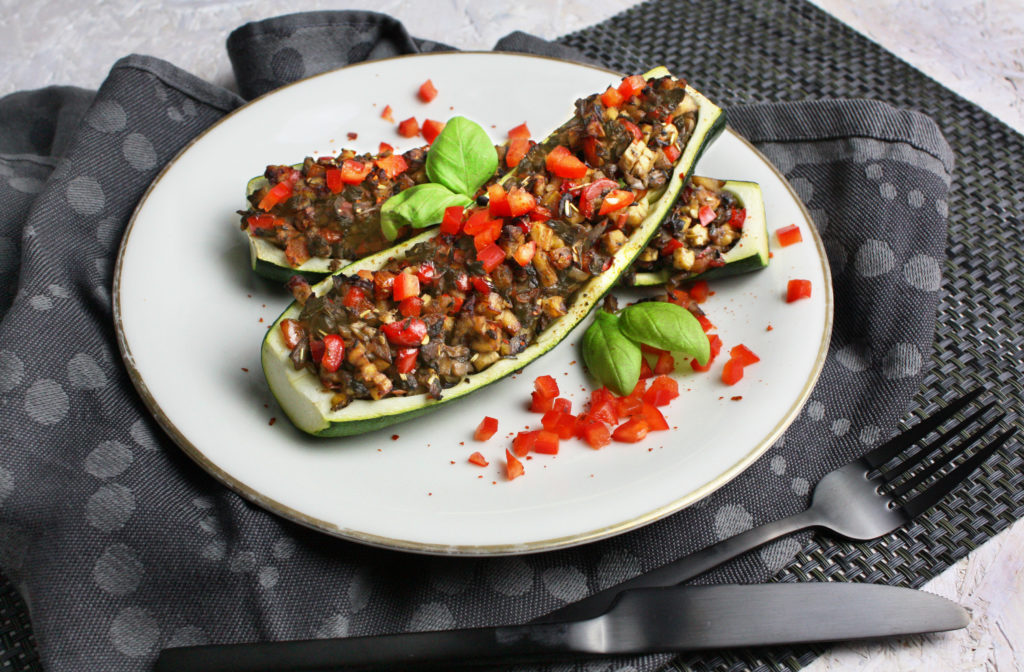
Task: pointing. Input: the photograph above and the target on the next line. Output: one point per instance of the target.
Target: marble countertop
(973, 47)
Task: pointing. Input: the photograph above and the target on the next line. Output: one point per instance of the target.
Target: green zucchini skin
(308, 406)
(749, 254)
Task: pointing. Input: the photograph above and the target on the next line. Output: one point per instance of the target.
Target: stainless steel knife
(645, 620)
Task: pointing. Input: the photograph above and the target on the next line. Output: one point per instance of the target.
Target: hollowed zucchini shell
(308, 405)
(750, 253)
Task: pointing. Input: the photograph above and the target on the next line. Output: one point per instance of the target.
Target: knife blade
(646, 620)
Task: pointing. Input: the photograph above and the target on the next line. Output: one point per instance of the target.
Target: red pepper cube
(563, 405)
(666, 364)
(561, 162)
(393, 165)
(615, 200)
(486, 429)
(705, 323)
(517, 149)
(427, 91)
(408, 332)
(716, 346)
(645, 369)
(353, 297)
(564, 425)
(611, 97)
(513, 467)
(633, 129)
(410, 306)
(405, 359)
(280, 192)
(706, 214)
(662, 390)
(490, 257)
(736, 217)
(488, 236)
(478, 459)
(354, 172)
(629, 406)
(406, 285)
(655, 420)
(520, 201)
(699, 291)
(546, 443)
(409, 128)
(334, 353)
(798, 289)
(386, 114)
(334, 182)
(672, 153)
(479, 221)
(452, 220)
(431, 129)
(631, 86)
(631, 431)
(605, 409)
(540, 403)
(546, 385)
(292, 333)
(596, 434)
(789, 235)
(745, 356)
(497, 201)
(426, 273)
(521, 131)
(523, 443)
(732, 372)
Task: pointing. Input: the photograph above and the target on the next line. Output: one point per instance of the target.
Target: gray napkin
(121, 545)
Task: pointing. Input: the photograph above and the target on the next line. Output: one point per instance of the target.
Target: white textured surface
(975, 47)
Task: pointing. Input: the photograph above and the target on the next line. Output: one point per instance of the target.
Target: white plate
(190, 317)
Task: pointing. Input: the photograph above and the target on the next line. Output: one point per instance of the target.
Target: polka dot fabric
(124, 546)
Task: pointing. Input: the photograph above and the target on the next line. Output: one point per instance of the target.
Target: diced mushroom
(547, 274)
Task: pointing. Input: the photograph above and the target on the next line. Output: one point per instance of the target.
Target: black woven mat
(747, 51)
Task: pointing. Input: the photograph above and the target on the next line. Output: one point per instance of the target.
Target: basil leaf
(462, 157)
(611, 357)
(418, 207)
(666, 326)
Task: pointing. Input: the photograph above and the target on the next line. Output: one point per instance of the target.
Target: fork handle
(684, 568)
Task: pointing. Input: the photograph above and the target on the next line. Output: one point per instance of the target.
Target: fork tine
(943, 459)
(907, 463)
(944, 485)
(900, 442)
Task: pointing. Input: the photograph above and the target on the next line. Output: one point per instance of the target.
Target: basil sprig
(461, 159)
(666, 326)
(611, 347)
(612, 357)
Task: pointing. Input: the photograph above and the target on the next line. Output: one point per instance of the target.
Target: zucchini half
(308, 405)
(750, 253)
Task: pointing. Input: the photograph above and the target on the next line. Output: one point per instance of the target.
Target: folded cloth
(121, 545)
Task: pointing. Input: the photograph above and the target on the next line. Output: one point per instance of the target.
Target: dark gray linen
(121, 545)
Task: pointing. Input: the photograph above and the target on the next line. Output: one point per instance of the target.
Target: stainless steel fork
(867, 498)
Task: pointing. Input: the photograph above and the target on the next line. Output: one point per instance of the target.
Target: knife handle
(683, 569)
(415, 650)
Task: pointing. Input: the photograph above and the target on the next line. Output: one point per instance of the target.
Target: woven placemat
(751, 51)
(746, 51)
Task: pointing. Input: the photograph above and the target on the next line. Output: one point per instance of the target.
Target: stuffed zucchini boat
(716, 228)
(415, 327)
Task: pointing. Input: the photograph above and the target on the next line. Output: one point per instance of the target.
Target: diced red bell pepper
(744, 355)
(409, 128)
(486, 237)
(524, 253)
(410, 306)
(334, 353)
(611, 97)
(431, 129)
(334, 182)
(261, 222)
(628, 406)
(497, 201)
(279, 193)
(479, 220)
(316, 349)
(631, 431)
(452, 220)
(591, 195)
(490, 257)
(513, 467)
(645, 369)
(427, 91)
(662, 390)
(407, 332)
(520, 201)
(562, 405)
(478, 459)
(292, 332)
(393, 165)
(539, 403)
(789, 235)
(486, 429)
(655, 420)
(540, 214)
(706, 214)
(481, 284)
(462, 282)
(353, 297)
(665, 364)
(633, 129)
(631, 86)
(523, 443)
(426, 273)
(699, 291)
(521, 131)
(616, 200)
(596, 434)
(715, 343)
(705, 323)
(386, 114)
(736, 217)
(669, 247)
(384, 148)
(546, 385)
(405, 359)
(680, 297)
(562, 424)
(406, 285)
(354, 172)
(671, 152)
(732, 372)
(798, 289)
(547, 443)
(517, 149)
(562, 163)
